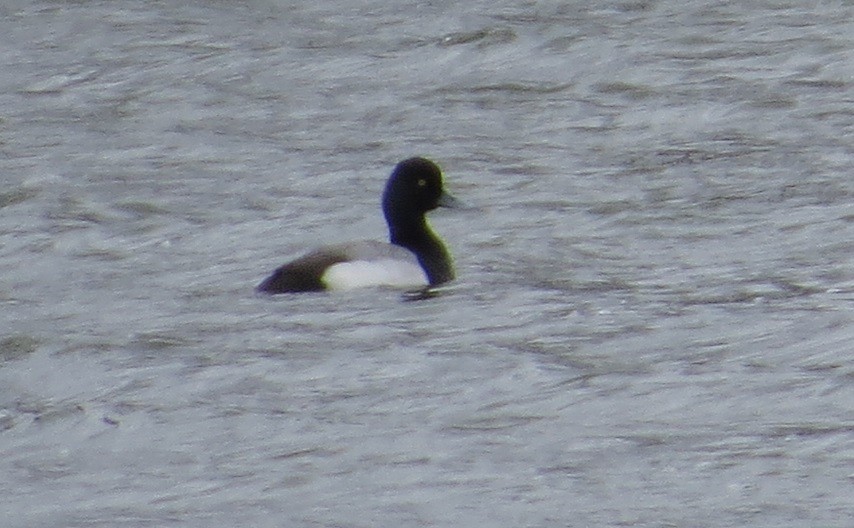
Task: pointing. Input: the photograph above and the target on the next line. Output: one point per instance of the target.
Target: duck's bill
(447, 200)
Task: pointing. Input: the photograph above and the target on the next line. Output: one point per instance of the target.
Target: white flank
(365, 273)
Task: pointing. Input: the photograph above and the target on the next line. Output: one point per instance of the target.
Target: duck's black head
(415, 187)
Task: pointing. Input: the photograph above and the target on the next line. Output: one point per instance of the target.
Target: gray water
(652, 322)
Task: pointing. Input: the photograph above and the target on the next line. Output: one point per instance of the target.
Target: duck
(415, 258)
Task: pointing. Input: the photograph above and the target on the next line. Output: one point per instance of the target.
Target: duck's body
(348, 266)
(415, 258)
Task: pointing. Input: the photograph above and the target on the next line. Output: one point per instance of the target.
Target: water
(652, 321)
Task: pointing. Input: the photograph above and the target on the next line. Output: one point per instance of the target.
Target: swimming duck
(414, 258)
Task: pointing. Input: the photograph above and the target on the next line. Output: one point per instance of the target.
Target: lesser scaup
(415, 258)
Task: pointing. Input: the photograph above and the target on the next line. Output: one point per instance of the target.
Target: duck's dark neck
(416, 236)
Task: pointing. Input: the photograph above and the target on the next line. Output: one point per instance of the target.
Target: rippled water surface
(652, 323)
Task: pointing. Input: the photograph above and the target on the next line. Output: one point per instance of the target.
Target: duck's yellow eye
(422, 183)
